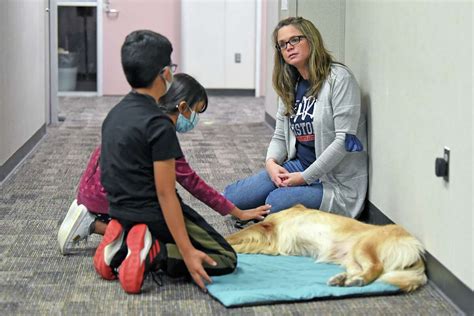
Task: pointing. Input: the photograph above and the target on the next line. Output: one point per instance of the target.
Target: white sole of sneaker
(132, 269)
(107, 249)
(111, 249)
(73, 218)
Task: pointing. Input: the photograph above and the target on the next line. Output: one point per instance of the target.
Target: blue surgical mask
(183, 125)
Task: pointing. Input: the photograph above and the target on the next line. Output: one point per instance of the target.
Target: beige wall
(22, 73)
(413, 61)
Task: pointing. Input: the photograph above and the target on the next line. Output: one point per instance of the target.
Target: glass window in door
(77, 48)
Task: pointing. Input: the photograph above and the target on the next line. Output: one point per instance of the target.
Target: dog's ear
(268, 226)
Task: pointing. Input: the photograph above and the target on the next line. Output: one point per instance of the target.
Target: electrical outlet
(237, 58)
(446, 158)
(442, 165)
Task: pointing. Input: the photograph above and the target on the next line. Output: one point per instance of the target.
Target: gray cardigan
(337, 112)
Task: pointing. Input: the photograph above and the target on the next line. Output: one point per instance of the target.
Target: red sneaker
(144, 255)
(111, 251)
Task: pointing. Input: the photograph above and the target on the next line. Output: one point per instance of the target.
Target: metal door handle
(110, 12)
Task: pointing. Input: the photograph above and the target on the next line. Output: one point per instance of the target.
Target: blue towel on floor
(261, 279)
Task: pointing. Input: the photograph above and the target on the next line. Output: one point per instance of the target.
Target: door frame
(52, 86)
(258, 47)
(53, 53)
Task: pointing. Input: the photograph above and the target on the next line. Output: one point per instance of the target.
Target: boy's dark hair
(144, 55)
(183, 88)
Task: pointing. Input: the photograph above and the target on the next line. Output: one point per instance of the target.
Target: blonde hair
(319, 63)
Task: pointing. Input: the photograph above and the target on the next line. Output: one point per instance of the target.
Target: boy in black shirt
(139, 148)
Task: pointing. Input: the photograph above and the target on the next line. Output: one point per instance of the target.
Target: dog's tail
(403, 262)
(408, 279)
(258, 238)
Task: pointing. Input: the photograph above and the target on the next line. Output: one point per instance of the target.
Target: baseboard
(449, 285)
(231, 92)
(9, 166)
(270, 120)
(372, 215)
(446, 282)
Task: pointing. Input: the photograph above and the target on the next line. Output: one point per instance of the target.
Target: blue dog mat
(262, 279)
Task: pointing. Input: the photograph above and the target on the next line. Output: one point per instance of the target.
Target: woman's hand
(292, 179)
(194, 260)
(254, 213)
(275, 171)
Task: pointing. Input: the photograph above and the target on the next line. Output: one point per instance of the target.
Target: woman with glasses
(318, 154)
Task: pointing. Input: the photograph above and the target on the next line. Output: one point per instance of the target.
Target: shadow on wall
(366, 214)
(366, 108)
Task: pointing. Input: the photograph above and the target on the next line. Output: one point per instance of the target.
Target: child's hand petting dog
(258, 213)
(254, 214)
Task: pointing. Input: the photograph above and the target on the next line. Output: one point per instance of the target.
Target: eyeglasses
(173, 67)
(293, 41)
(197, 112)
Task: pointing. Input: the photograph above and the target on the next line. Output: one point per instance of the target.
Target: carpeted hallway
(229, 143)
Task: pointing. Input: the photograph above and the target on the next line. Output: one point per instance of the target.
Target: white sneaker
(75, 227)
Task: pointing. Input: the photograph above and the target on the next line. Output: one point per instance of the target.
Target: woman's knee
(278, 199)
(283, 198)
(229, 191)
(249, 192)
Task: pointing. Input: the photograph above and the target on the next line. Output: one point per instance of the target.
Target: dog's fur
(368, 252)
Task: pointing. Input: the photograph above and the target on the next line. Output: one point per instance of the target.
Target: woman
(88, 214)
(317, 156)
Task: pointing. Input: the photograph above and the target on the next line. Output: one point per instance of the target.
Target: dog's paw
(354, 281)
(338, 279)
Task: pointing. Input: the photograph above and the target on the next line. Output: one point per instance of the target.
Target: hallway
(229, 143)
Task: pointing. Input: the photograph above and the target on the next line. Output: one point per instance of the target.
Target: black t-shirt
(135, 133)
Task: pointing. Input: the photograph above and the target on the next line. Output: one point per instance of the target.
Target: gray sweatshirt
(337, 112)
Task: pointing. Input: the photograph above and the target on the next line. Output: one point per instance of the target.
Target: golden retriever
(368, 252)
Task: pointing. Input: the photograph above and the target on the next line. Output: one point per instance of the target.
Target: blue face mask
(183, 125)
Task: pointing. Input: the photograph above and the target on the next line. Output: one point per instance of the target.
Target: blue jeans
(259, 189)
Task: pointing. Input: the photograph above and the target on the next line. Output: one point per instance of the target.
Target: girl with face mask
(184, 101)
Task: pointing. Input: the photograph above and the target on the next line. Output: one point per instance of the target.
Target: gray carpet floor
(229, 143)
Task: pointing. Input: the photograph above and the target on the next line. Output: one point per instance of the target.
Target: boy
(139, 148)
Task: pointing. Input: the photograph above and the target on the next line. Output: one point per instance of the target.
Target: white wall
(22, 73)
(272, 12)
(329, 19)
(413, 60)
(214, 31)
